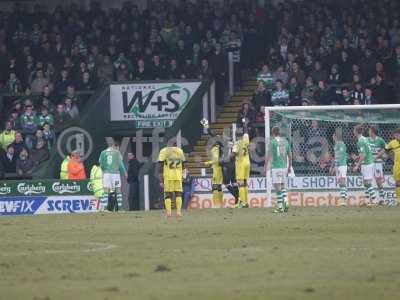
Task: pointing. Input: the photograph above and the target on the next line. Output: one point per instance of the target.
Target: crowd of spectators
(307, 52)
(330, 53)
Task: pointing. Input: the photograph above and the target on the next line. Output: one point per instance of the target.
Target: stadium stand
(308, 52)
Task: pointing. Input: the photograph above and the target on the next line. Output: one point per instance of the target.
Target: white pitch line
(93, 247)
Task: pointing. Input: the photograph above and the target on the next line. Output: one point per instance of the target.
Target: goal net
(309, 130)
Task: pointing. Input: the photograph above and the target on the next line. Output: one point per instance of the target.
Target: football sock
(284, 196)
(231, 190)
(398, 193)
(103, 202)
(246, 194)
(216, 202)
(381, 194)
(110, 203)
(279, 198)
(236, 193)
(119, 201)
(115, 203)
(168, 206)
(372, 195)
(242, 193)
(221, 198)
(343, 193)
(178, 200)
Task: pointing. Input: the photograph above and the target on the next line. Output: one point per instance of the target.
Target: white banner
(150, 104)
(298, 183)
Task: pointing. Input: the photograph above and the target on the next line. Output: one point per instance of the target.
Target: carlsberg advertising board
(150, 105)
(45, 187)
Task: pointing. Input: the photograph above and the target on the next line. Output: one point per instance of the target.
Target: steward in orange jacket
(76, 169)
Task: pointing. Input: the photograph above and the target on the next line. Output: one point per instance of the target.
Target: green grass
(324, 253)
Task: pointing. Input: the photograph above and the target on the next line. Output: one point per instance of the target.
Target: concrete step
(226, 120)
(232, 109)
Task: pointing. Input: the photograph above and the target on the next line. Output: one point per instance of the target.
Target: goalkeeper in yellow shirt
(242, 166)
(394, 146)
(171, 164)
(217, 178)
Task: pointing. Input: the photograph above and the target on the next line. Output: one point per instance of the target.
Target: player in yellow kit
(171, 163)
(394, 146)
(217, 178)
(242, 166)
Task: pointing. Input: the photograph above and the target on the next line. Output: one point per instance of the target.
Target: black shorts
(228, 171)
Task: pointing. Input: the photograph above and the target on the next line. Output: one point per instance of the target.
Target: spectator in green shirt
(45, 117)
(266, 77)
(280, 96)
(29, 124)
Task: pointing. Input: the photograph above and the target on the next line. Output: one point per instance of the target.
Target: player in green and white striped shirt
(266, 77)
(377, 145)
(339, 167)
(366, 162)
(112, 165)
(280, 161)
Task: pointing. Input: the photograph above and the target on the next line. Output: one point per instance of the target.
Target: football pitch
(321, 253)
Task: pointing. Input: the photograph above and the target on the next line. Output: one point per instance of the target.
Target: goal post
(309, 130)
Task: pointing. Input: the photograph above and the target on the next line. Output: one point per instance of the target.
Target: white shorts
(378, 170)
(111, 181)
(368, 171)
(279, 176)
(341, 171)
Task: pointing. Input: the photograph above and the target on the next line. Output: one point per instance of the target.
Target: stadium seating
(323, 55)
